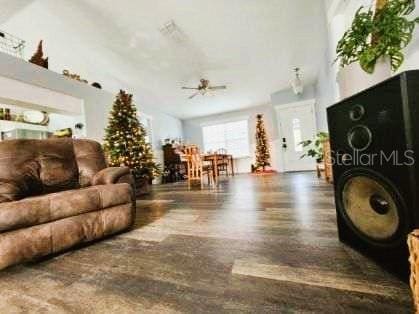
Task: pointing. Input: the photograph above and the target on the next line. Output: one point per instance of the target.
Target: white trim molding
(297, 104)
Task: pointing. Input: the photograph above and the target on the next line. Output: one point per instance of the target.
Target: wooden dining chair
(198, 168)
(223, 163)
(190, 149)
(327, 160)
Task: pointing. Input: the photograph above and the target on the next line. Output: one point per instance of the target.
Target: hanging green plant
(374, 34)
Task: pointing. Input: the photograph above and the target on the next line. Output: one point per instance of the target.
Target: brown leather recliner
(57, 193)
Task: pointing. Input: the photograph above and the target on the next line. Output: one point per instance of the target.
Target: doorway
(296, 122)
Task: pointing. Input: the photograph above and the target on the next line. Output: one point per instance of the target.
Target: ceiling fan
(204, 87)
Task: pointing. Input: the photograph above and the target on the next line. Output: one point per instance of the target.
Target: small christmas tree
(125, 140)
(262, 149)
(38, 57)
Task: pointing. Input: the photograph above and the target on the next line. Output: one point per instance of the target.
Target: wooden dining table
(215, 158)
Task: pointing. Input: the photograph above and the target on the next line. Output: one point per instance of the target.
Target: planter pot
(142, 187)
(352, 79)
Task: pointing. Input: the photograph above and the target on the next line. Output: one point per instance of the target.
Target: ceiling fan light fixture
(297, 83)
(204, 88)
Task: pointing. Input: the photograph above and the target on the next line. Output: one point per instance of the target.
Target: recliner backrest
(90, 160)
(35, 167)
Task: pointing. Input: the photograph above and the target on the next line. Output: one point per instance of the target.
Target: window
(232, 136)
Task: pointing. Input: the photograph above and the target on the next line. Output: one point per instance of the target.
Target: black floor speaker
(374, 137)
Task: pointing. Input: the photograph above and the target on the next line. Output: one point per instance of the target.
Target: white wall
(321, 92)
(338, 18)
(340, 14)
(412, 51)
(66, 50)
(325, 95)
(193, 127)
(325, 90)
(96, 103)
(326, 86)
(288, 96)
(193, 132)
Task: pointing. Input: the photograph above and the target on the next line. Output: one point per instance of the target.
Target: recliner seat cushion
(41, 209)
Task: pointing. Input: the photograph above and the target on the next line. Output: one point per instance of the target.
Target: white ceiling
(249, 45)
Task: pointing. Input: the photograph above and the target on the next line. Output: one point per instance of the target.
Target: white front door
(296, 123)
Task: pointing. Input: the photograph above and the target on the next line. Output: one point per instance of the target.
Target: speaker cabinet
(374, 137)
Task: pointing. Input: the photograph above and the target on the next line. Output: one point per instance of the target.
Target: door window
(296, 129)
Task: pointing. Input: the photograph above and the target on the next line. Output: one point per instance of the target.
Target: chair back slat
(196, 165)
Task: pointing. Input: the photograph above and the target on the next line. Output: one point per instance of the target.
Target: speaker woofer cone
(372, 208)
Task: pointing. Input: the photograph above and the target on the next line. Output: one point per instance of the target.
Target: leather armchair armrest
(110, 175)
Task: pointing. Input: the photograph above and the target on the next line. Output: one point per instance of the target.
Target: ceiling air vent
(173, 32)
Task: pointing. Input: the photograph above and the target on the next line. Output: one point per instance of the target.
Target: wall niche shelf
(6, 125)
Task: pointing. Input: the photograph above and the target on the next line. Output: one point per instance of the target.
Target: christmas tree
(125, 140)
(38, 57)
(262, 150)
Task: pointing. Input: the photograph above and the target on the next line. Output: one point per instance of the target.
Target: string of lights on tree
(263, 155)
(125, 139)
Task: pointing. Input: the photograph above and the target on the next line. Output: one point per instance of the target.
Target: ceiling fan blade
(217, 87)
(190, 88)
(192, 96)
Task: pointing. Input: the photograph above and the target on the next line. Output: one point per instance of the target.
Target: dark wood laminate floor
(255, 244)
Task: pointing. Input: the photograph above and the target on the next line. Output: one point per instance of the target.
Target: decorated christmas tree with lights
(125, 140)
(262, 149)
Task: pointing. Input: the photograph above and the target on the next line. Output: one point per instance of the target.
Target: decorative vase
(352, 79)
